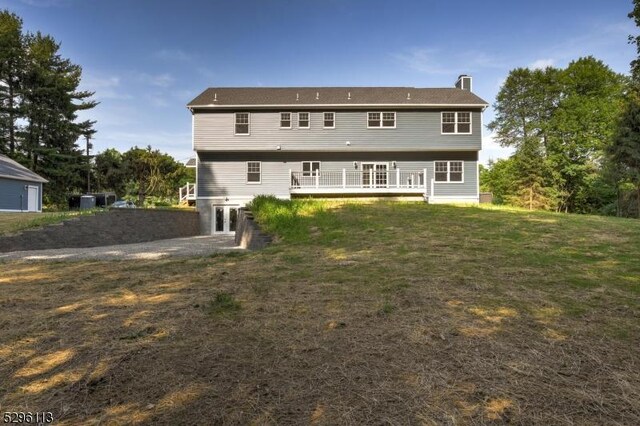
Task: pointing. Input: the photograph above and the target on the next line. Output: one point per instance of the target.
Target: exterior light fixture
(278, 147)
(395, 166)
(355, 164)
(348, 143)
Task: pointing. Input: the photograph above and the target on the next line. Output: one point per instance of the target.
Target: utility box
(87, 202)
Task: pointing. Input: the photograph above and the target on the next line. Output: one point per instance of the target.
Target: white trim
(235, 122)
(308, 120)
(453, 199)
(448, 171)
(246, 175)
(38, 199)
(290, 120)
(455, 123)
(386, 190)
(19, 211)
(381, 127)
(193, 134)
(337, 106)
(226, 214)
(334, 119)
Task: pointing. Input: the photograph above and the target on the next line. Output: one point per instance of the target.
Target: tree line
(576, 138)
(39, 105)
(142, 174)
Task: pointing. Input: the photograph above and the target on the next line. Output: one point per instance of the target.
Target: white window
(285, 120)
(456, 123)
(253, 172)
(449, 171)
(310, 168)
(329, 120)
(242, 123)
(380, 120)
(303, 120)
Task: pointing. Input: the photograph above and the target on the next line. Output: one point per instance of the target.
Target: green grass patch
(223, 303)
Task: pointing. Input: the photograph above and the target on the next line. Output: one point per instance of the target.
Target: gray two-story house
(334, 141)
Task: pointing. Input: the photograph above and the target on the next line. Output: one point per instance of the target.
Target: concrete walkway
(185, 247)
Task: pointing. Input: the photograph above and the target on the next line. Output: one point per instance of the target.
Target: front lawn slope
(357, 314)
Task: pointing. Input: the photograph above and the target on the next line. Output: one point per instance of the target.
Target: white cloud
(541, 64)
(160, 80)
(106, 87)
(173, 55)
(434, 61)
(47, 3)
(491, 150)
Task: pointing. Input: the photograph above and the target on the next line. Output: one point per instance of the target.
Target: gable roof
(335, 96)
(11, 169)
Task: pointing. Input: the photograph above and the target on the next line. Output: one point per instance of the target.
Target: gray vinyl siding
(224, 174)
(13, 194)
(415, 130)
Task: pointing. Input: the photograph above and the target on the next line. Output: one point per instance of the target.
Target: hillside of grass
(400, 313)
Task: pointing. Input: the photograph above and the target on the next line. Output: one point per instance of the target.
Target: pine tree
(11, 67)
(51, 103)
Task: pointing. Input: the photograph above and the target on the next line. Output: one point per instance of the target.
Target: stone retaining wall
(116, 226)
(248, 233)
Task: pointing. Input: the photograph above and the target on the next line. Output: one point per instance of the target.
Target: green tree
(12, 64)
(51, 103)
(497, 178)
(625, 150)
(153, 173)
(110, 173)
(580, 128)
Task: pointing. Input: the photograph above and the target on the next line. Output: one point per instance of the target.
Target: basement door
(225, 219)
(32, 198)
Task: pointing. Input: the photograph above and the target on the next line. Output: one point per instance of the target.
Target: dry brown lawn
(379, 314)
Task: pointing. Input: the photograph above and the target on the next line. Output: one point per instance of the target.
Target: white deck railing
(188, 192)
(366, 180)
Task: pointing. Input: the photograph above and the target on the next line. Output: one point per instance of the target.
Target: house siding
(226, 172)
(415, 131)
(13, 194)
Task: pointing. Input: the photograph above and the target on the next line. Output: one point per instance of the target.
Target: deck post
(317, 179)
(397, 178)
(344, 178)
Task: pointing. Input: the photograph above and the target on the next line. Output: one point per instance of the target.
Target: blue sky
(146, 59)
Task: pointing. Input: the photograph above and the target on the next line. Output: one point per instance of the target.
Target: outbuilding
(20, 188)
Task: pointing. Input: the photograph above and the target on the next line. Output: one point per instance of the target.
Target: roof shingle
(11, 169)
(339, 96)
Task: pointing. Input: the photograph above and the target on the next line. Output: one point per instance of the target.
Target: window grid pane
(388, 119)
(455, 166)
(303, 119)
(329, 119)
(448, 117)
(464, 117)
(441, 166)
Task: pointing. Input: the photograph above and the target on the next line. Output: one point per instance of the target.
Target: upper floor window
(456, 122)
(254, 174)
(285, 120)
(242, 123)
(329, 120)
(449, 171)
(310, 168)
(380, 120)
(303, 120)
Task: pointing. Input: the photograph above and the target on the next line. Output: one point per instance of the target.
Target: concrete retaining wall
(117, 226)
(248, 233)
